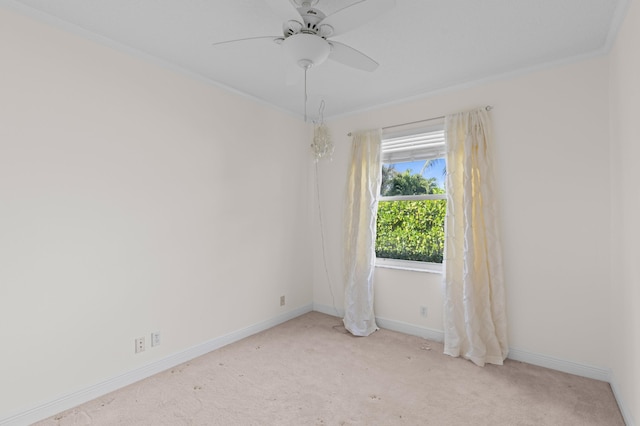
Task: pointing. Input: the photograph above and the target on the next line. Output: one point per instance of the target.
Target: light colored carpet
(310, 371)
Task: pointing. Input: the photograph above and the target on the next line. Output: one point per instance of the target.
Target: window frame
(427, 154)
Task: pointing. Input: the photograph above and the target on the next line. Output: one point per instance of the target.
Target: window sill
(409, 265)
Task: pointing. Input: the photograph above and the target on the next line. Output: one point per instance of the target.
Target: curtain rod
(487, 108)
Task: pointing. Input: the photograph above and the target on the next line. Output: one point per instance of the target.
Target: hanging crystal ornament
(322, 145)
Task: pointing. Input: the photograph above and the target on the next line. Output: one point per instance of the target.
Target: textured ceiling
(421, 45)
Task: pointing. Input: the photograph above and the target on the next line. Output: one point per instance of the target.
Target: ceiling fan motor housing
(311, 24)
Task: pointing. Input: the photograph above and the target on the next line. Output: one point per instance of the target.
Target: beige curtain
(360, 232)
(474, 318)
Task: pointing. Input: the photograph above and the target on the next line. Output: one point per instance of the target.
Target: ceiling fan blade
(351, 57)
(273, 38)
(285, 10)
(356, 14)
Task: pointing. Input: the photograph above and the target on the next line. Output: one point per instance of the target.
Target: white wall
(551, 148)
(134, 199)
(625, 277)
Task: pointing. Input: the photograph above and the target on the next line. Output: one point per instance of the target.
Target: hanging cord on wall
(324, 254)
(306, 96)
(321, 113)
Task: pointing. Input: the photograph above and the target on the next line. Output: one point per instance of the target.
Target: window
(412, 202)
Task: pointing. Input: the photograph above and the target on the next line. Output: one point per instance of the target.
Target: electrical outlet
(423, 311)
(140, 344)
(281, 300)
(155, 338)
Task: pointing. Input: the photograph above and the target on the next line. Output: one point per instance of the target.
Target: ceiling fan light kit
(307, 50)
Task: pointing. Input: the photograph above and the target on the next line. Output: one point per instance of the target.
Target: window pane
(411, 230)
(413, 178)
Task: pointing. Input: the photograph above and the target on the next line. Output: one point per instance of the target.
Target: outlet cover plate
(155, 339)
(139, 344)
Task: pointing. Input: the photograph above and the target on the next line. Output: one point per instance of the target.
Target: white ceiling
(422, 45)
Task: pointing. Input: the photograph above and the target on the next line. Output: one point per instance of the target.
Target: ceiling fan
(307, 31)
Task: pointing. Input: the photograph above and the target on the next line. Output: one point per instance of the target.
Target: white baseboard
(49, 408)
(399, 326)
(565, 366)
(624, 409)
(414, 330)
(329, 310)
